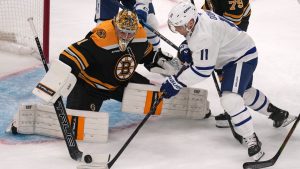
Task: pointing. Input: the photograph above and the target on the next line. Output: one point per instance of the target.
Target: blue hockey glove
(185, 54)
(171, 87)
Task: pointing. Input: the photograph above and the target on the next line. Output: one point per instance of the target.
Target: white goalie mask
(181, 14)
(126, 24)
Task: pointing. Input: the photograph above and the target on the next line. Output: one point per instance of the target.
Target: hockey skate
(12, 128)
(254, 147)
(222, 120)
(281, 118)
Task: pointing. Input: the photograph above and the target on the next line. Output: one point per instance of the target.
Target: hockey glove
(164, 64)
(185, 54)
(142, 12)
(171, 87)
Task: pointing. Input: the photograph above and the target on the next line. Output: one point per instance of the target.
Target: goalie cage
(189, 103)
(15, 33)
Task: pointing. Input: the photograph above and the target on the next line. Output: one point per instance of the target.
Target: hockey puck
(88, 158)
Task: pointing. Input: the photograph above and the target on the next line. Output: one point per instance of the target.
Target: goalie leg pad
(42, 120)
(59, 81)
(189, 103)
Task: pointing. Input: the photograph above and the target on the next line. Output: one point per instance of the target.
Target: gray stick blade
(258, 164)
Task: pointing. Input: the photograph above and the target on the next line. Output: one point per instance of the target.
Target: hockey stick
(151, 112)
(238, 137)
(272, 161)
(60, 110)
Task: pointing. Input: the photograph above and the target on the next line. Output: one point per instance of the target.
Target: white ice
(171, 143)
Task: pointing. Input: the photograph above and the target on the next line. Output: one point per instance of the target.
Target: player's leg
(84, 97)
(257, 101)
(105, 10)
(221, 119)
(235, 82)
(152, 20)
(146, 13)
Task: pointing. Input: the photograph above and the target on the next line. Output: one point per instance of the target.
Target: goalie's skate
(11, 128)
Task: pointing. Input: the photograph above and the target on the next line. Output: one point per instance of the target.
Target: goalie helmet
(126, 24)
(181, 14)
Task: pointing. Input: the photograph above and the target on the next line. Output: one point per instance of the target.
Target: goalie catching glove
(164, 63)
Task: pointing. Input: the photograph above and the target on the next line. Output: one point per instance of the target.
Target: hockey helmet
(126, 24)
(181, 14)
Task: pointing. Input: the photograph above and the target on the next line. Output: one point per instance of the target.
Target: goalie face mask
(126, 24)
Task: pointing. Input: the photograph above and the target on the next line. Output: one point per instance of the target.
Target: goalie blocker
(190, 103)
(42, 120)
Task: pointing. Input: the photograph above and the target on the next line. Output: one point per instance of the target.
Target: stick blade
(258, 164)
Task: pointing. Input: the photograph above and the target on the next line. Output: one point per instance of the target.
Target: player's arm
(61, 77)
(204, 56)
(237, 10)
(77, 58)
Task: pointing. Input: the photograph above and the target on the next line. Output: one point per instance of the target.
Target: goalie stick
(272, 161)
(60, 110)
(151, 112)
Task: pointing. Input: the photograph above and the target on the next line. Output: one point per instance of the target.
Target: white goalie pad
(59, 81)
(189, 103)
(42, 120)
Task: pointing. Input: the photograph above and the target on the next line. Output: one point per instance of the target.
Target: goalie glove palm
(165, 64)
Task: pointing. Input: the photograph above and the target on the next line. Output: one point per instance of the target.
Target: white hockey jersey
(215, 43)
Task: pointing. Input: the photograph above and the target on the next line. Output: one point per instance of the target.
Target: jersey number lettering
(233, 3)
(204, 54)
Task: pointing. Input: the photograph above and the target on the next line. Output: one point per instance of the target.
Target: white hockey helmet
(181, 14)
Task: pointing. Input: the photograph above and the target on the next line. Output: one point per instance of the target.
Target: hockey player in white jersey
(212, 42)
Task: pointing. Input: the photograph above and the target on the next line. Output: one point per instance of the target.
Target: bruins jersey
(237, 11)
(98, 61)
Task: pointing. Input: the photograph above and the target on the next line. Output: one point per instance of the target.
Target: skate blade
(258, 156)
(287, 121)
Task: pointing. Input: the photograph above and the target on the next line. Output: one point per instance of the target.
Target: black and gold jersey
(237, 11)
(98, 61)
